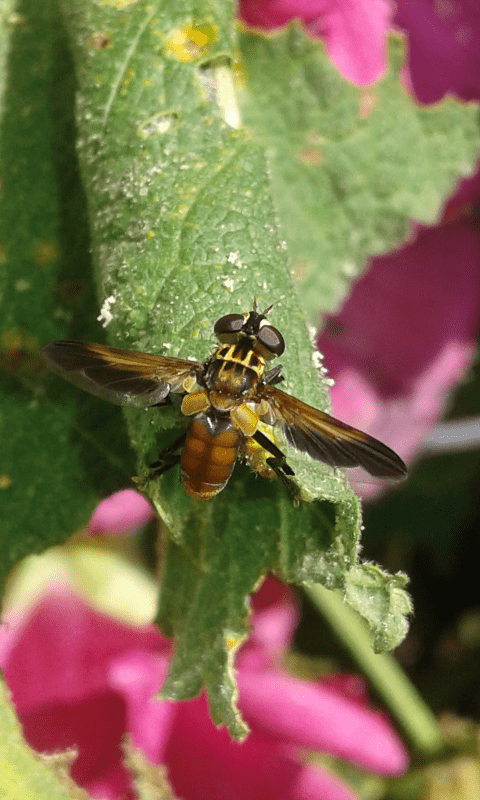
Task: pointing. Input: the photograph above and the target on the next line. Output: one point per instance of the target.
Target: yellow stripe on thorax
(229, 356)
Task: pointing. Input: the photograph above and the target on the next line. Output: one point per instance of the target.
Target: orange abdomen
(209, 456)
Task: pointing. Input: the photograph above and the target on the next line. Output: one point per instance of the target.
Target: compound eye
(272, 340)
(231, 323)
(228, 329)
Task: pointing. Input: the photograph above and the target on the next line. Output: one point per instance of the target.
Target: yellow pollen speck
(5, 481)
(19, 351)
(189, 43)
(46, 253)
(231, 642)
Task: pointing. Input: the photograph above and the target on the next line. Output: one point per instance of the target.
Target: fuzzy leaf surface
(182, 230)
(350, 167)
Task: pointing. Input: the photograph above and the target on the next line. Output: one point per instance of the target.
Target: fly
(231, 398)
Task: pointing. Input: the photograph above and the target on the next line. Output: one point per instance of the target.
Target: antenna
(273, 304)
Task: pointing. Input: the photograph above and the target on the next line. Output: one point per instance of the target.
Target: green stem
(384, 673)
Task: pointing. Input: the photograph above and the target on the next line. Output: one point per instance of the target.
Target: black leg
(168, 457)
(279, 471)
(278, 458)
(273, 376)
(278, 463)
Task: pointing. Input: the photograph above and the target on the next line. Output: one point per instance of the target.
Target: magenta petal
(137, 677)
(269, 14)
(58, 669)
(313, 784)
(353, 30)
(79, 679)
(354, 33)
(203, 762)
(405, 336)
(273, 623)
(403, 422)
(406, 307)
(312, 716)
(65, 649)
(443, 47)
(119, 513)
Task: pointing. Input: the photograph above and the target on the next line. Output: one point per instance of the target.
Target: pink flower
(353, 30)
(443, 47)
(119, 513)
(405, 336)
(80, 679)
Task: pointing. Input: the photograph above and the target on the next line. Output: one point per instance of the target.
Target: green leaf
(61, 450)
(232, 542)
(7, 20)
(381, 599)
(150, 780)
(182, 230)
(350, 167)
(22, 775)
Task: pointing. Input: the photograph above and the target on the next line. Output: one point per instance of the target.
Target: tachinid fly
(229, 397)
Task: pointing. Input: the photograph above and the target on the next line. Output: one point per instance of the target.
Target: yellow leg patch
(257, 458)
(244, 419)
(195, 403)
(190, 384)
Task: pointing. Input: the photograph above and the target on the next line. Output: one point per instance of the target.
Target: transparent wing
(119, 376)
(330, 440)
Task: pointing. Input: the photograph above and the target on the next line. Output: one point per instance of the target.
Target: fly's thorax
(235, 369)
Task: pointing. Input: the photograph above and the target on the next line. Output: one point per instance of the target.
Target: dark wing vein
(119, 376)
(329, 440)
